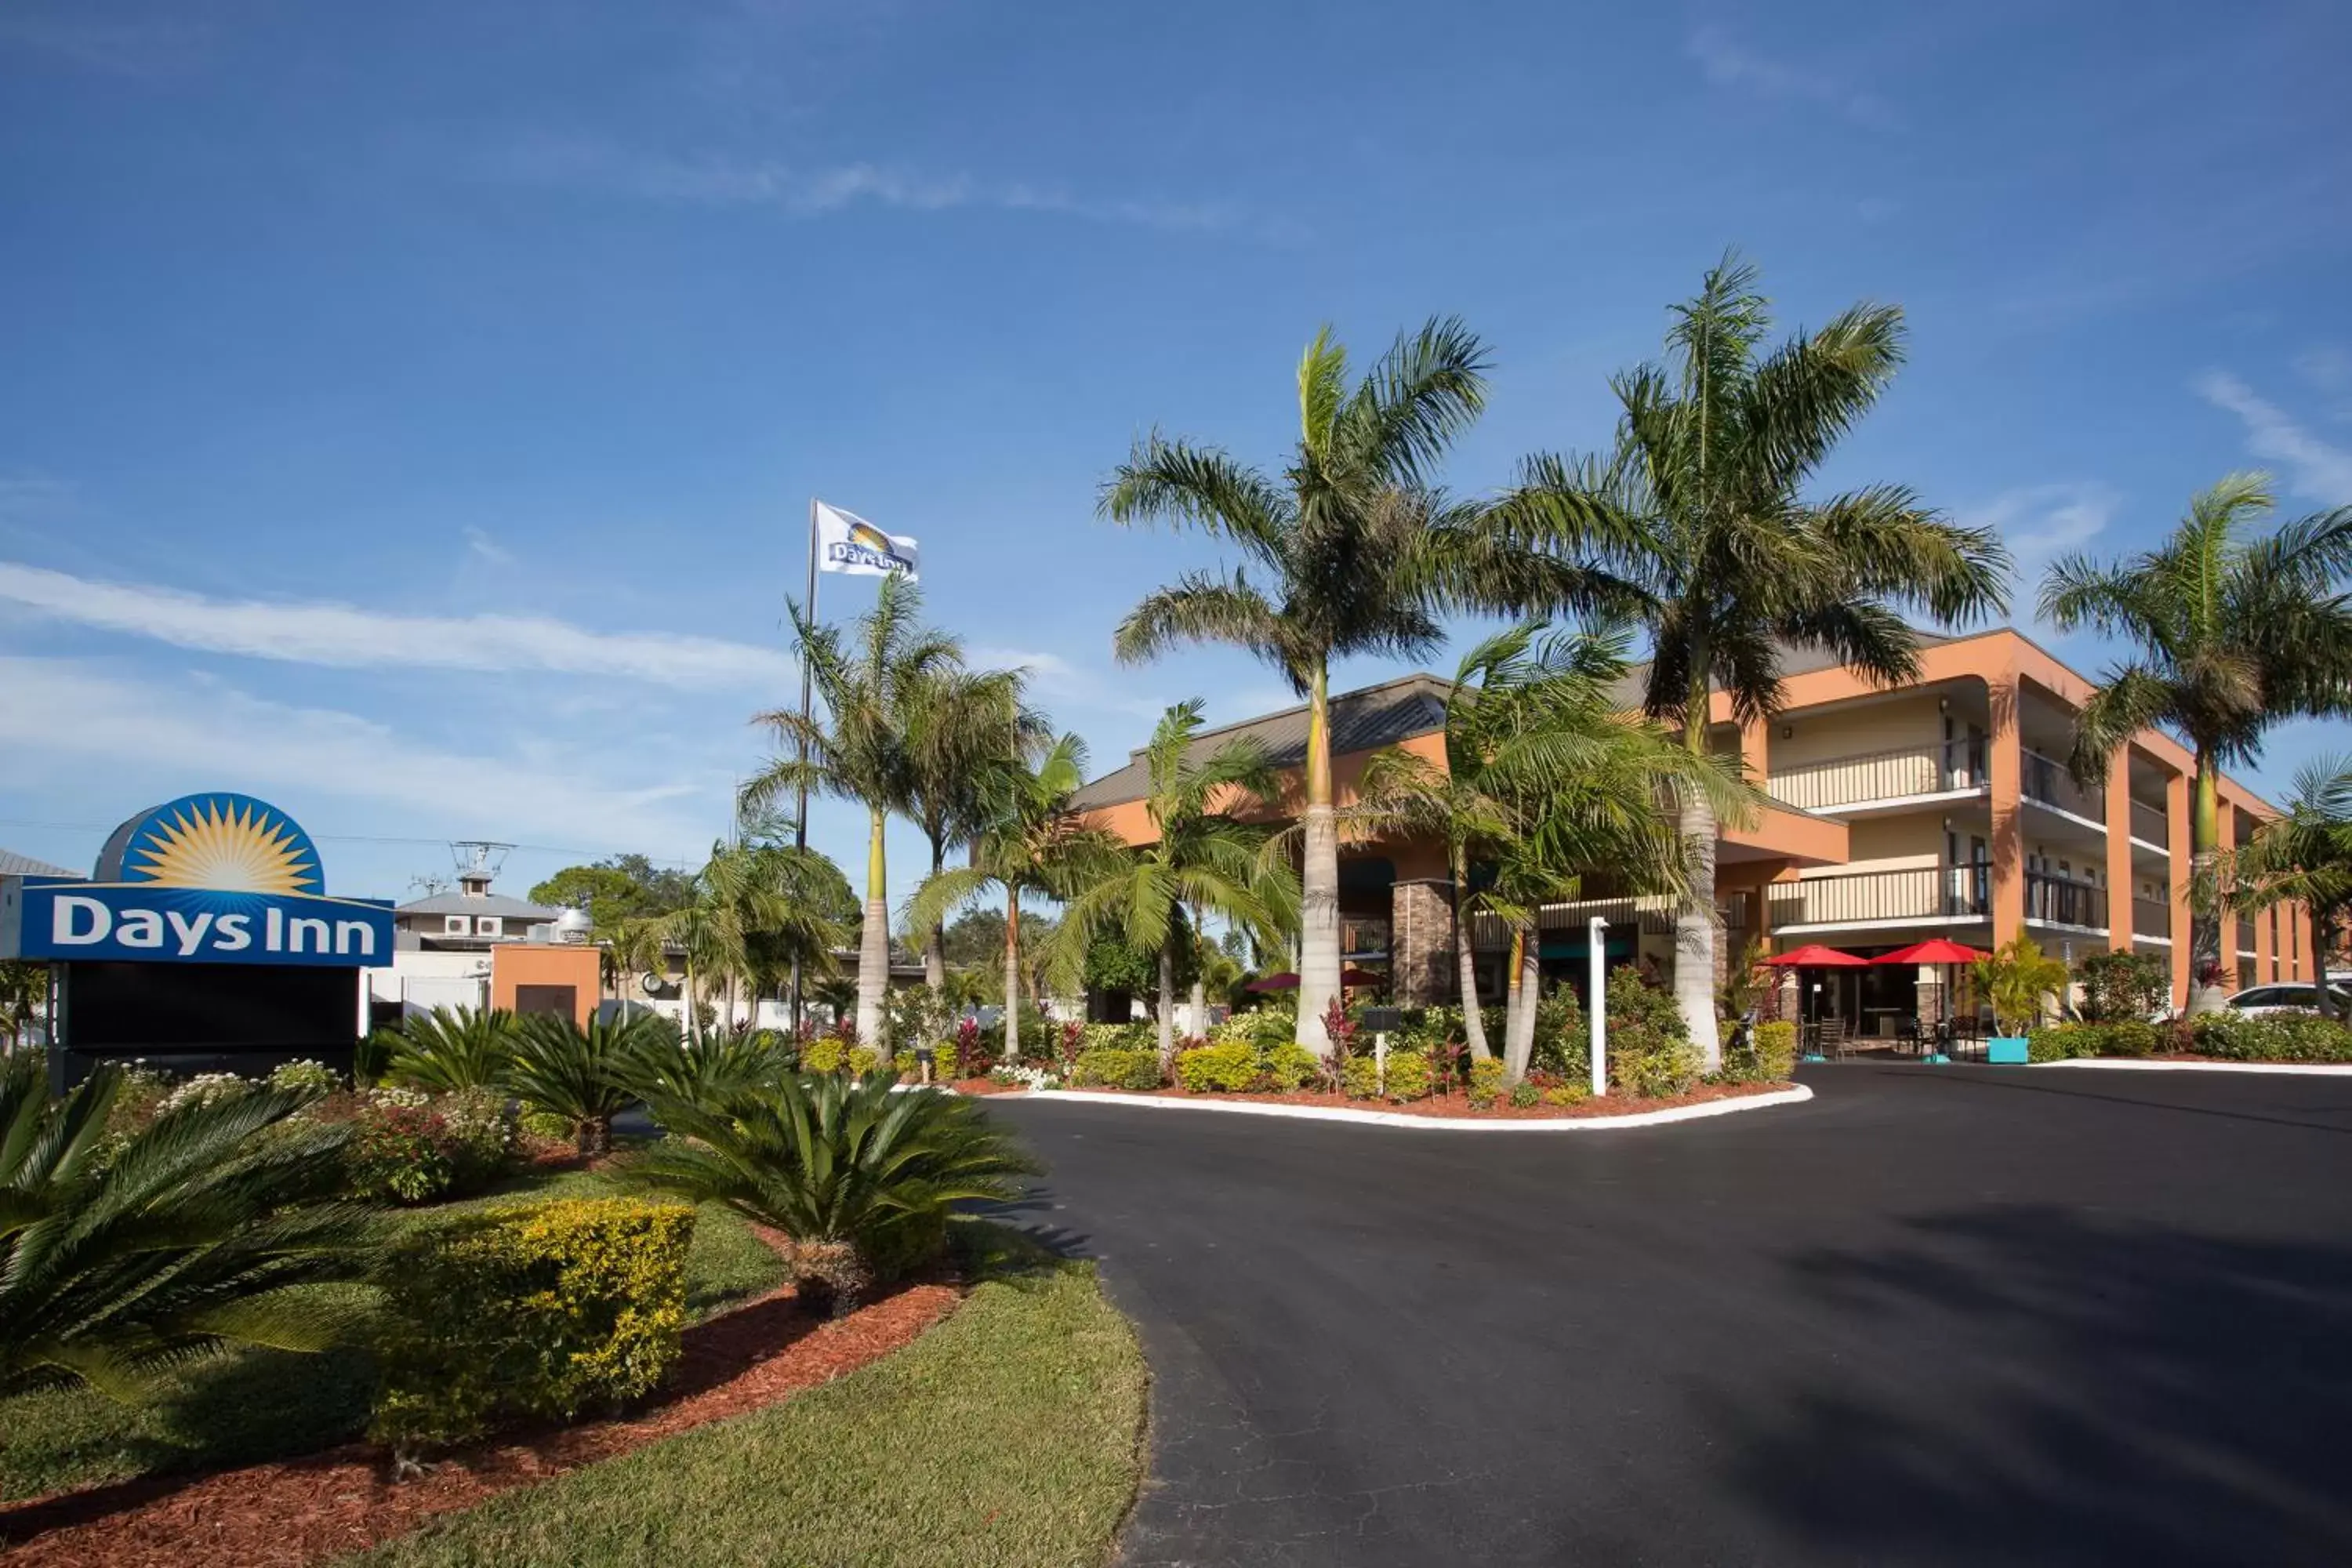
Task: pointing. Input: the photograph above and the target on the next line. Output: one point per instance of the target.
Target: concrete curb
(1795, 1096)
(2119, 1064)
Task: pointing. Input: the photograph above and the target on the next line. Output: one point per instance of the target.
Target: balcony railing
(2047, 780)
(2062, 901)
(2151, 825)
(1934, 768)
(2151, 917)
(1854, 897)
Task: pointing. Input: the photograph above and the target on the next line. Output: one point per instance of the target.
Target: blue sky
(410, 411)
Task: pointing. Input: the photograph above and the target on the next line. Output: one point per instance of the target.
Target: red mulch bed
(304, 1511)
(1458, 1109)
(983, 1085)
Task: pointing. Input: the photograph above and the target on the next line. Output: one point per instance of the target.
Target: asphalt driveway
(1938, 1315)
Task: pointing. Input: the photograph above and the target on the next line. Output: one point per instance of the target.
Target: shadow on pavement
(2086, 1390)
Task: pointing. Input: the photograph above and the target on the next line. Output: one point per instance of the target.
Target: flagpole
(799, 811)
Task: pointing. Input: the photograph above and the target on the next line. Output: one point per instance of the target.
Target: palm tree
(1545, 781)
(23, 993)
(871, 682)
(2231, 634)
(1200, 857)
(1357, 552)
(1695, 525)
(1029, 843)
(862, 1179)
(963, 726)
(202, 1231)
(2303, 858)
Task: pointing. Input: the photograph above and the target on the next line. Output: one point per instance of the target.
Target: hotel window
(455, 925)
(488, 925)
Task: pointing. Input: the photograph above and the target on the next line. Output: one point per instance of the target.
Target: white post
(1380, 1061)
(1595, 939)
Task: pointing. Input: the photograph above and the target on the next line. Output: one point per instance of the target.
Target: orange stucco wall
(519, 964)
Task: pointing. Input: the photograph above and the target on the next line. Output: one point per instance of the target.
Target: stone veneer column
(1421, 942)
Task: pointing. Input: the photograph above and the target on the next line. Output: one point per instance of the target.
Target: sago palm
(2303, 858)
(201, 1231)
(862, 1178)
(1200, 857)
(585, 1077)
(1029, 845)
(1698, 518)
(450, 1049)
(1354, 550)
(964, 727)
(870, 681)
(2231, 634)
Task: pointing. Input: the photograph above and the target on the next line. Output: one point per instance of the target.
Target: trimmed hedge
(1770, 1057)
(1113, 1066)
(1228, 1069)
(2063, 1042)
(524, 1313)
(1289, 1066)
(2272, 1037)
(1650, 1053)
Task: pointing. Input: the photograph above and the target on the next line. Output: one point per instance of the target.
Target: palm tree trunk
(1199, 1022)
(935, 950)
(2205, 965)
(1168, 1002)
(1466, 959)
(2319, 962)
(874, 939)
(1694, 933)
(1318, 877)
(693, 1012)
(1519, 1029)
(1011, 976)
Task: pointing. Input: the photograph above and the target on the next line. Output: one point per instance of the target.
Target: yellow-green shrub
(1409, 1075)
(1775, 1050)
(823, 1054)
(1568, 1094)
(529, 1312)
(1113, 1068)
(1289, 1065)
(1359, 1076)
(862, 1060)
(1486, 1081)
(1227, 1068)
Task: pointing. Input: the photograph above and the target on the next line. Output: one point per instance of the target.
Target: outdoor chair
(1832, 1038)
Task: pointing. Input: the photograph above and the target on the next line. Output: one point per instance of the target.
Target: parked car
(2300, 998)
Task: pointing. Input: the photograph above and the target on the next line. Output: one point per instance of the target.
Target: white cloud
(721, 180)
(2315, 469)
(2040, 522)
(479, 543)
(1052, 676)
(1728, 63)
(201, 734)
(347, 637)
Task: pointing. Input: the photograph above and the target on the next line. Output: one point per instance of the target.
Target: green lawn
(1007, 1436)
(250, 1406)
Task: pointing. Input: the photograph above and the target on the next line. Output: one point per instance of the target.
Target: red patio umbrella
(1943, 953)
(1816, 956)
(1286, 980)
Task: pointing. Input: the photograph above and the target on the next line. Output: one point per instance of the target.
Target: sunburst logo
(231, 843)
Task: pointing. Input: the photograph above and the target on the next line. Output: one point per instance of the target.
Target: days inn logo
(866, 545)
(232, 843)
(206, 878)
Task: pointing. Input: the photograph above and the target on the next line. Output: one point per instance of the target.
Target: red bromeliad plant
(970, 1054)
(1340, 1030)
(1073, 1035)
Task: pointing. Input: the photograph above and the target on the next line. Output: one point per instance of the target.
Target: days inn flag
(848, 543)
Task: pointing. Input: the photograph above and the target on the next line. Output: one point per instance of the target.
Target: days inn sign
(206, 878)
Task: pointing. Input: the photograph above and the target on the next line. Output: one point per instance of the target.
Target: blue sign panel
(206, 878)
(158, 924)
